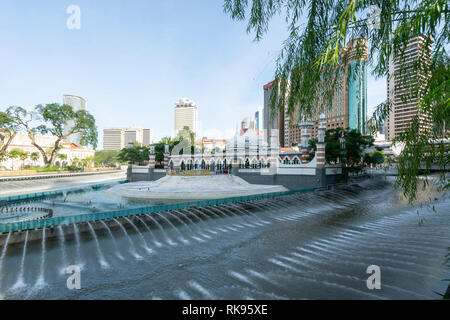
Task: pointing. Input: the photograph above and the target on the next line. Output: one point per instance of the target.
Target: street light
(343, 147)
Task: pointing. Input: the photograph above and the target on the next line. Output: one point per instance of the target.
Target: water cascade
(145, 246)
(20, 283)
(155, 241)
(78, 250)
(168, 240)
(113, 240)
(40, 283)
(181, 237)
(101, 258)
(133, 248)
(63, 250)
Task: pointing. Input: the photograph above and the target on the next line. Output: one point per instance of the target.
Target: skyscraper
(113, 139)
(348, 106)
(186, 115)
(133, 135)
(77, 103)
(119, 138)
(404, 78)
(147, 137)
(274, 119)
(259, 122)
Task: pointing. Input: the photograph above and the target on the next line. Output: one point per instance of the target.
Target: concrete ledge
(56, 175)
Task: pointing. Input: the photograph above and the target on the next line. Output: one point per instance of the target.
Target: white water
(5, 248)
(101, 258)
(80, 263)
(40, 282)
(20, 283)
(63, 250)
(133, 248)
(145, 246)
(113, 239)
(181, 238)
(168, 240)
(155, 241)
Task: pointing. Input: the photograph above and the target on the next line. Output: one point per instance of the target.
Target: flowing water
(302, 246)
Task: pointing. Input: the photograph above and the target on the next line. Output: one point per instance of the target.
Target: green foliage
(34, 156)
(355, 143)
(107, 158)
(60, 121)
(160, 146)
(135, 154)
(319, 30)
(8, 130)
(375, 158)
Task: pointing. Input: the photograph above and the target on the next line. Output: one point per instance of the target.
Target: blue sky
(132, 59)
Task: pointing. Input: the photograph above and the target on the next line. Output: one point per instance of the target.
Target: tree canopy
(355, 144)
(319, 31)
(61, 121)
(135, 154)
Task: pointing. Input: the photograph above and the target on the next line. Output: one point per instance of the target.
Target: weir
(152, 215)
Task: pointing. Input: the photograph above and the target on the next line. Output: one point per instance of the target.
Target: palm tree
(23, 156)
(14, 154)
(34, 156)
(62, 157)
(75, 161)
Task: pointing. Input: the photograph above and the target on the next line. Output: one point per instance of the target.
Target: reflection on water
(303, 246)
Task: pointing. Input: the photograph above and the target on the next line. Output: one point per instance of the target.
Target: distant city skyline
(132, 61)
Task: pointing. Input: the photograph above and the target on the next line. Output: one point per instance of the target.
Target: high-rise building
(147, 137)
(133, 135)
(186, 115)
(406, 74)
(113, 139)
(119, 138)
(259, 122)
(273, 119)
(77, 103)
(348, 106)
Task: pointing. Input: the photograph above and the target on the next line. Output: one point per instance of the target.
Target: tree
(160, 147)
(135, 154)
(23, 156)
(75, 162)
(61, 121)
(62, 157)
(374, 158)
(34, 156)
(355, 144)
(107, 158)
(319, 30)
(14, 154)
(8, 130)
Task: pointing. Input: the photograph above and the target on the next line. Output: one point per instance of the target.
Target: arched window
(296, 161)
(287, 161)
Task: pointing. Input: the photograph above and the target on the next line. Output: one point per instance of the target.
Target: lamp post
(342, 147)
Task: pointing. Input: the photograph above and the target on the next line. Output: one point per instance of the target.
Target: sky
(132, 60)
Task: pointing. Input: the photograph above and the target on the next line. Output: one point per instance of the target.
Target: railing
(55, 221)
